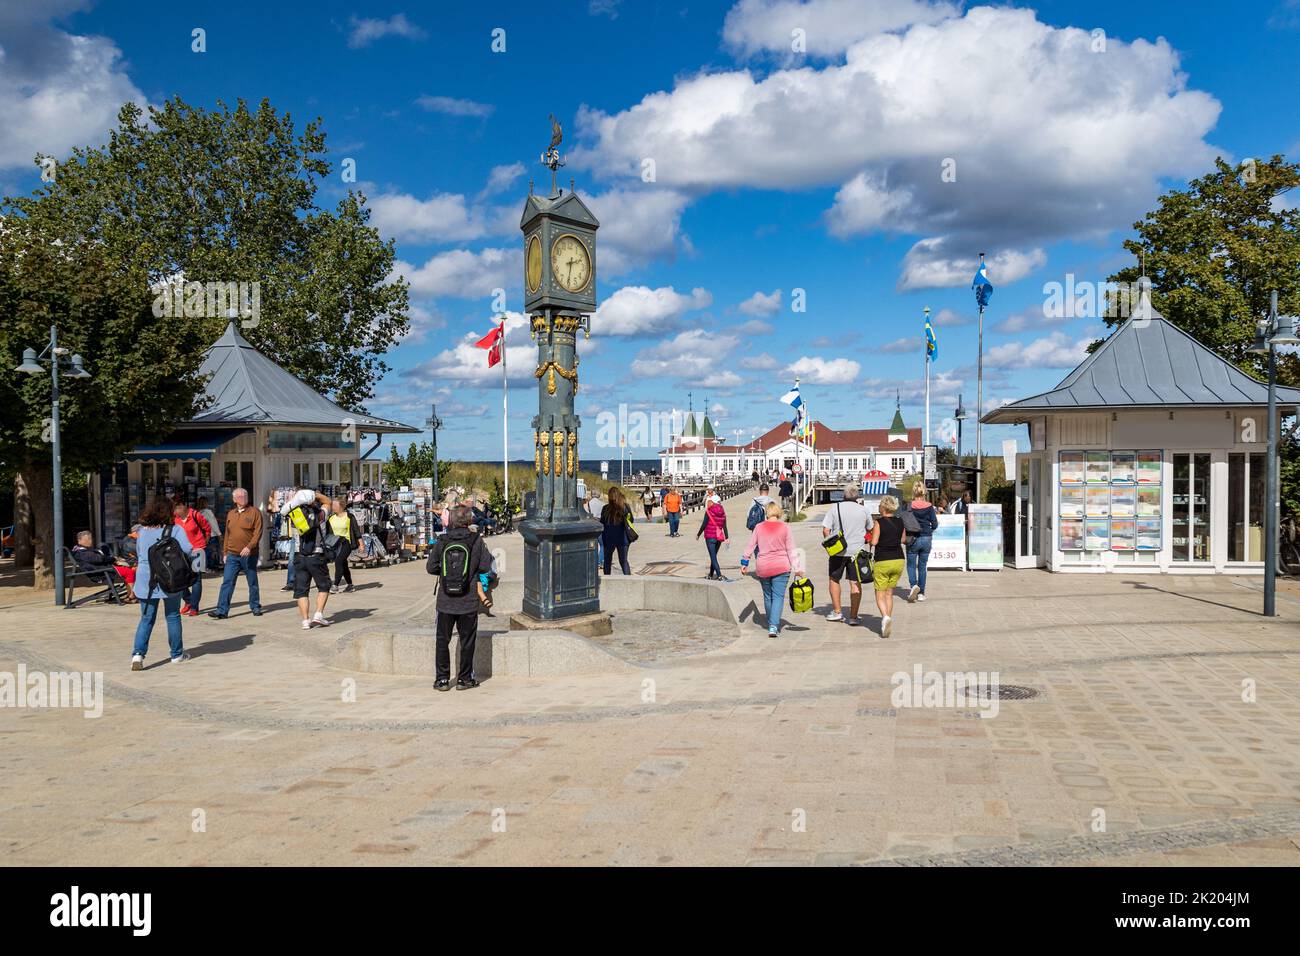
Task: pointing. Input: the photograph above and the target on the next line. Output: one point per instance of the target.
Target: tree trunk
(22, 522)
(40, 484)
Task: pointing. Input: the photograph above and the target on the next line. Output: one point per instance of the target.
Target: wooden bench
(112, 587)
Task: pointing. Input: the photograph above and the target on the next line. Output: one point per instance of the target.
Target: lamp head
(1287, 329)
(78, 368)
(30, 365)
(1261, 344)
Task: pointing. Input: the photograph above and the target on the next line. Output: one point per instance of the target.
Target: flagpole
(505, 419)
(979, 412)
(926, 439)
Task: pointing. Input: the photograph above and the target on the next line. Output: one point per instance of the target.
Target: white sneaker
(137, 662)
(911, 595)
(920, 597)
(853, 621)
(320, 621)
(886, 625)
(306, 625)
(184, 656)
(835, 616)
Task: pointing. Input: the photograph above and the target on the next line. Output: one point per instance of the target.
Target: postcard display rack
(1110, 501)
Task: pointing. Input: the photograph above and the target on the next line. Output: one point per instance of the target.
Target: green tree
(144, 371)
(1214, 253)
(416, 463)
(229, 195)
(211, 196)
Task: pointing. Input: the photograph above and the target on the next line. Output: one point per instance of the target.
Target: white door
(1029, 524)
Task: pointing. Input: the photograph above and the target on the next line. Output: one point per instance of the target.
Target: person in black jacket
(787, 498)
(459, 599)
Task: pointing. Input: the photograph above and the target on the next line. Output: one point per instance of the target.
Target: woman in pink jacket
(714, 529)
(776, 559)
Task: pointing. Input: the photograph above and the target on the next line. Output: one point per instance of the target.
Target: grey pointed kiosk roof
(1147, 364)
(244, 387)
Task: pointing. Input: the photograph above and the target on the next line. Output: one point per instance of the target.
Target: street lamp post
(960, 416)
(32, 366)
(1269, 334)
(434, 423)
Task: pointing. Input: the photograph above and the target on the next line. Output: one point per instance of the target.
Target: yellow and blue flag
(931, 343)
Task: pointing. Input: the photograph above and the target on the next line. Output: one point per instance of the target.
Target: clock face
(570, 263)
(533, 263)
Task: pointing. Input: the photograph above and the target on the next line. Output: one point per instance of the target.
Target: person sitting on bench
(91, 560)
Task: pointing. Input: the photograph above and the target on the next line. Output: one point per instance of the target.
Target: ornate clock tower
(561, 587)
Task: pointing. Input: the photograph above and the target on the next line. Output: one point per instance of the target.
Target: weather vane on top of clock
(552, 158)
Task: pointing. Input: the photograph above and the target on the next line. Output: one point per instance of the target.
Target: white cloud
(639, 310)
(57, 90)
(934, 264)
(761, 303)
(865, 204)
(694, 357)
(829, 26)
(950, 318)
(501, 177)
(754, 327)
(451, 106)
(1057, 350)
(904, 346)
(466, 364)
(443, 217)
(820, 371)
(638, 225)
(759, 363)
(1034, 318)
(1019, 105)
(366, 31)
(461, 273)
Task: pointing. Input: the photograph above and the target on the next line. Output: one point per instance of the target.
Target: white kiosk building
(1150, 456)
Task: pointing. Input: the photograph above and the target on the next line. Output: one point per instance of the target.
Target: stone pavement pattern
(755, 751)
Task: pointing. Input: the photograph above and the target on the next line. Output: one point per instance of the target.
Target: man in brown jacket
(243, 539)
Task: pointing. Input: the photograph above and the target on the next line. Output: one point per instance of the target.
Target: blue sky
(775, 170)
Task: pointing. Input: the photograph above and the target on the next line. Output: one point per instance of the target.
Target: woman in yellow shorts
(889, 538)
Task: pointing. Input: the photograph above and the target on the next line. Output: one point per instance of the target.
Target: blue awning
(191, 444)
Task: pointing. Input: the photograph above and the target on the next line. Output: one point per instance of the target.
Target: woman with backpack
(888, 538)
(918, 544)
(616, 535)
(777, 558)
(714, 529)
(198, 530)
(157, 523)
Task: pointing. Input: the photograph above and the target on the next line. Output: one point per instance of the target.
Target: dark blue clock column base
(560, 579)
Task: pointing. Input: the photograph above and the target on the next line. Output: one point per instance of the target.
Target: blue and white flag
(792, 398)
(796, 423)
(982, 286)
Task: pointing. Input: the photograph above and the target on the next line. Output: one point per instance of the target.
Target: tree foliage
(1215, 251)
(230, 195)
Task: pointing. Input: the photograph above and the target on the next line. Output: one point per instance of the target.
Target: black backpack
(169, 565)
(755, 517)
(455, 566)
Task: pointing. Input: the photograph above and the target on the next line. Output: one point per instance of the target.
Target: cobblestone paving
(1166, 706)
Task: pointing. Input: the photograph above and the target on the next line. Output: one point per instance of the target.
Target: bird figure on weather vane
(552, 158)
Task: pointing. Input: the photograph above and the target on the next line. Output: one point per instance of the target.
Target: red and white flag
(493, 342)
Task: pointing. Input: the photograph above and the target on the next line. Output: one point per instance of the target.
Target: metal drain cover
(1005, 692)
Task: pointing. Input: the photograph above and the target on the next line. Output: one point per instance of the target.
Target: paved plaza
(1164, 729)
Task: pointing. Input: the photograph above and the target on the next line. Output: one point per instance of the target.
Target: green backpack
(801, 595)
(455, 569)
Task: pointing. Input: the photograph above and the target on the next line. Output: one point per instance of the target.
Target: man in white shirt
(851, 519)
